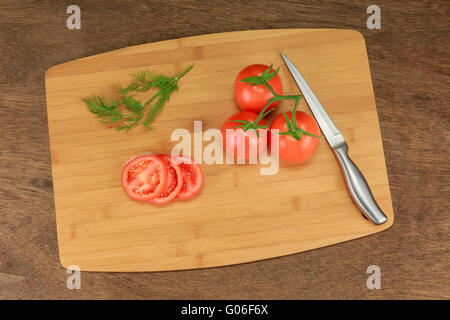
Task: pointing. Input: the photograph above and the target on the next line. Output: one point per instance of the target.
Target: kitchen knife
(356, 183)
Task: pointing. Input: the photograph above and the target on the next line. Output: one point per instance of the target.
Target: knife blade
(355, 181)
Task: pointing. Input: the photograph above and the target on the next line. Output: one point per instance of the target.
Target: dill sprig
(126, 112)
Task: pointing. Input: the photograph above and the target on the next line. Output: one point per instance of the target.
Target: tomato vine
(264, 79)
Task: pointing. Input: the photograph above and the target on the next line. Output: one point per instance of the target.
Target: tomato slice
(192, 177)
(144, 177)
(174, 181)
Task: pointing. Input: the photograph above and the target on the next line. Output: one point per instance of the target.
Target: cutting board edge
(56, 66)
(382, 228)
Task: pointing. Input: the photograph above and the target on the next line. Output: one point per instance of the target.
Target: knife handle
(358, 187)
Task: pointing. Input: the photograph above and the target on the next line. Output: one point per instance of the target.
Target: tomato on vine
(298, 139)
(298, 132)
(244, 135)
(250, 91)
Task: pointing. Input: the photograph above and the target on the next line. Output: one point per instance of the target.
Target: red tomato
(241, 140)
(291, 149)
(144, 177)
(192, 177)
(174, 181)
(254, 98)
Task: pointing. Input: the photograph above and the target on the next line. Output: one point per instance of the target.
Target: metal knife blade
(356, 183)
(331, 133)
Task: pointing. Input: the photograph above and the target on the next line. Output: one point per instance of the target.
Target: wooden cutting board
(240, 215)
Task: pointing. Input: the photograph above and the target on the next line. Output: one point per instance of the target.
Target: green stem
(183, 73)
(268, 86)
(294, 131)
(152, 98)
(174, 82)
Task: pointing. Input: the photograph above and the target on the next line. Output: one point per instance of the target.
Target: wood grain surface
(410, 72)
(240, 215)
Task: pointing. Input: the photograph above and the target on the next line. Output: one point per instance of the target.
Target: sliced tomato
(174, 181)
(192, 177)
(144, 177)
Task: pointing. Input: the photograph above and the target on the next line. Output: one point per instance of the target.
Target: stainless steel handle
(358, 187)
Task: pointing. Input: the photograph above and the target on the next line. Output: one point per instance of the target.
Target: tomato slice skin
(174, 181)
(192, 177)
(144, 177)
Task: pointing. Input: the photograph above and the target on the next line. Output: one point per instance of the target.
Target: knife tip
(283, 56)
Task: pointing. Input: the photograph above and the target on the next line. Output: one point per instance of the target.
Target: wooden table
(410, 70)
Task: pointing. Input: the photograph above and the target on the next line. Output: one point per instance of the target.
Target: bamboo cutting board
(240, 215)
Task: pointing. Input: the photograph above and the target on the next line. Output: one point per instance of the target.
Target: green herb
(263, 79)
(126, 112)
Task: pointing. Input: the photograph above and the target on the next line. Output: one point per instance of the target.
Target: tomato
(255, 97)
(291, 149)
(192, 177)
(174, 181)
(144, 177)
(241, 140)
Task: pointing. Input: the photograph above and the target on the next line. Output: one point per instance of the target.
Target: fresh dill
(126, 112)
